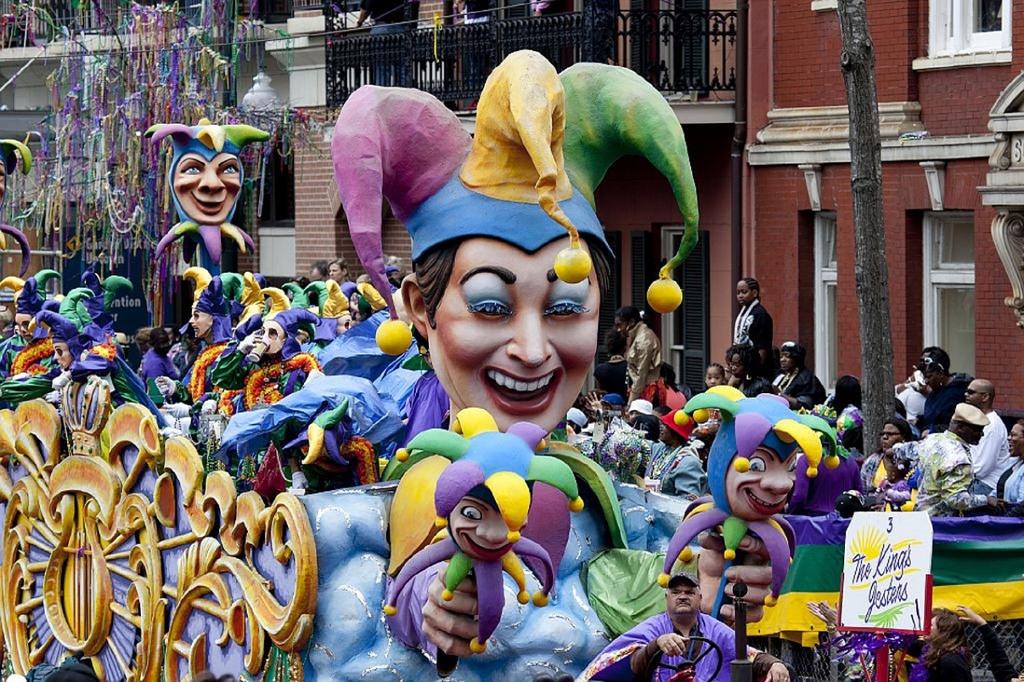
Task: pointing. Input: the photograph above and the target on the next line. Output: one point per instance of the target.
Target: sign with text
(887, 569)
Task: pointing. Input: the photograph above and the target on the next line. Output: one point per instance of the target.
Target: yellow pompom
(540, 599)
(686, 555)
(446, 594)
(812, 472)
(440, 521)
(393, 337)
(477, 647)
(664, 295)
(576, 505)
(523, 597)
(770, 600)
(681, 418)
(573, 265)
(729, 554)
(832, 461)
(513, 536)
(663, 580)
(700, 416)
(390, 610)
(741, 464)
(401, 454)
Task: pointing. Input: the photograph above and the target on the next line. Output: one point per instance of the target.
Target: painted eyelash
(489, 308)
(566, 308)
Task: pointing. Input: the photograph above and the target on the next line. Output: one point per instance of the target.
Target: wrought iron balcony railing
(34, 22)
(678, 51)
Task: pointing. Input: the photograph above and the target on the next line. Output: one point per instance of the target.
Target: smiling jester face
(507, 336)
(764, 488)
(478, 529)
(207, 189)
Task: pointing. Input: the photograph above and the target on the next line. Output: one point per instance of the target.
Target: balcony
(24, 23)
(680, 52)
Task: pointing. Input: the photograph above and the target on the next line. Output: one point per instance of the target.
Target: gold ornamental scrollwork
(116, 544)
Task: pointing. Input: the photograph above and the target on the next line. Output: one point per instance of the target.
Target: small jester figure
(482, 499)
(210, 327)
(63, 329)
(21, 355)
(15, 154)
(751, 473)
(206, 177)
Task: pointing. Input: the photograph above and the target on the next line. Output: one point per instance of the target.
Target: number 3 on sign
(889, 528)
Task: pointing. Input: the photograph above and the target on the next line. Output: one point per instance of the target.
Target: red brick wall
(781, 198)
(807, 50)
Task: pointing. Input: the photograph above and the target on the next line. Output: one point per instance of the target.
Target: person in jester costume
(482, 499)
(206, 176)
(210, 326)
(22, 355)
(751, 473)
(104, 291)
(15, 155)
(64, 329)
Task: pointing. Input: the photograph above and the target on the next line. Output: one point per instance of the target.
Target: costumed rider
(265, 366)
(206, 177)
(328, 301)
(64, 331)
(104, 291)
(210, 327)
(22, 356)
(670, 642)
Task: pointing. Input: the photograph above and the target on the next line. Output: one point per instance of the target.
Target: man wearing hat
(944, 465)
(633, 655)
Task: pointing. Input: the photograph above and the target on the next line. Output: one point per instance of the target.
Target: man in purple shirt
(632, 656)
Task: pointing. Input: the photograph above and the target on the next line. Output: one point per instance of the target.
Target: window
(964, 26)
(949, 286)
(826, 280)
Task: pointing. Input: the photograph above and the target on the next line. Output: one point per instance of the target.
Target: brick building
(944, 70)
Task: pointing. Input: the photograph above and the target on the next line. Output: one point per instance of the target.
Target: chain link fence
(813, 664)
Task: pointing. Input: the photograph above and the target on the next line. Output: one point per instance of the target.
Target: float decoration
(487, 469)
(748, 425)
(206, 177)
(116, 547)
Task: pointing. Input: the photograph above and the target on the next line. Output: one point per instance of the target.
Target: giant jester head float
(503, 225)
(15, 155)
(751, 472)
(205, 177)
(482, 499)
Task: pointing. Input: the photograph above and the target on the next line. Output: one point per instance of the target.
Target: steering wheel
(691, 665)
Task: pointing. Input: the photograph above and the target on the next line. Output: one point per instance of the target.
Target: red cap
(669, 420)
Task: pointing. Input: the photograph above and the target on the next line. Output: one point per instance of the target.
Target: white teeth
(505, 381)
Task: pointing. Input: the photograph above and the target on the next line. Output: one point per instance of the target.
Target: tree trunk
(858, 64)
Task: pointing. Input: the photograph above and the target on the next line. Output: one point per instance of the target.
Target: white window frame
(950, 25)
(824, 276)
(935, 278)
